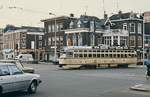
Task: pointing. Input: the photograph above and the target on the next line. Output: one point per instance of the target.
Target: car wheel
(33, 87)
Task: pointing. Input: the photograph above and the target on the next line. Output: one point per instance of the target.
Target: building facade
(1, 43)
(116, 37)
(25, 40)
(52, 30)
(133, 23)
(86, 31)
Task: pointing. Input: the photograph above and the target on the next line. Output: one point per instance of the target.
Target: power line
(28, 10)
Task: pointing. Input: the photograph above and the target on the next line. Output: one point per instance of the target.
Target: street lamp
(143, 41)
(55, 56)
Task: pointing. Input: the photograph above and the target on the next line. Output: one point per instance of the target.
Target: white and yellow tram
(97, 57)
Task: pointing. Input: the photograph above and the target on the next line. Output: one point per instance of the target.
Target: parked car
(25, 58)
(14, 79)
(20, 65)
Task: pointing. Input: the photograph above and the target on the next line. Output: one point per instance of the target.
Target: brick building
(25, 39)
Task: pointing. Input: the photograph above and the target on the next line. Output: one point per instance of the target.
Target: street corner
(141, 87)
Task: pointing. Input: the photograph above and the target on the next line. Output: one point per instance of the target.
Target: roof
(23, 29)
(127, 15)
(57, 18)
(86, 20)
(2, 63)
(8, 61)
(120, 16)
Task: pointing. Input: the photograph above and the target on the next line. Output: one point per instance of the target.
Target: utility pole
(55, 47)
(143, 41)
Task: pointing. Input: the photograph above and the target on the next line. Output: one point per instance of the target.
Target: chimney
(120, 12)
(71, 15)
(105, 15)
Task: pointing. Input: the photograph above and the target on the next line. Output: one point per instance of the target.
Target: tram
(95, 57)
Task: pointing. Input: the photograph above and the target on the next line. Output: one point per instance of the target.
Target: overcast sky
(35, 10)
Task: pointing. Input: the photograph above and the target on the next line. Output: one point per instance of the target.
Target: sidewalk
(141, 87)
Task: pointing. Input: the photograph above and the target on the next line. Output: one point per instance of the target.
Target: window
(71, 24)
(79, 24)
(80, 55)
(40, 44)
(125, 26)
(61, 40)
(140, 41)
(76, 55)
(49, 28)
(98, 55)
(53, 28)
(57, 28)
(60, 26)
(139, 28)
(108, 40)
(4, 71)
(40, 37)
(132, 28)
(49, 41)
(94, 55)
(132, 40)
(118, 55)
(15, 70)
(85, 55)
(90, 55)
(123, 40)
(115, 40)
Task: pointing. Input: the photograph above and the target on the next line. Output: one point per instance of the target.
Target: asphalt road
(86, 83)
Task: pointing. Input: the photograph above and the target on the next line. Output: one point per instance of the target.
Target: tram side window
(122, 56)
(81, 55)
(102, 55)
(114, 55)
(94, 55)
(118, 55)
(76, 55)
(106, 55)
(90, 55)
(132, 55)
(110, 55)
(85, 55)
(125, 55)
(98, 55)
(69, 54)
(129, 55)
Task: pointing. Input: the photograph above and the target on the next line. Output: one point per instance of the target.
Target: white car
(14, 79)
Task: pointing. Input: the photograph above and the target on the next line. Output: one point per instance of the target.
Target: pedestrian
(148, 68)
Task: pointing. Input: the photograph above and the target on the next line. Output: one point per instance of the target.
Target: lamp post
(35, 53)
(143, 41)
(55, 56)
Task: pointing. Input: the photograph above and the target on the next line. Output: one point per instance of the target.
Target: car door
(6, 79)
(21, 78)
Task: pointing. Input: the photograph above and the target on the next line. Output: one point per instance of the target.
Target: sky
(30, 12)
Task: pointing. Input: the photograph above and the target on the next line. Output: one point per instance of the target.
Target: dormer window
(71, 24)
(79, 24)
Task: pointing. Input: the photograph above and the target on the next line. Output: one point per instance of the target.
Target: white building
(116, 37)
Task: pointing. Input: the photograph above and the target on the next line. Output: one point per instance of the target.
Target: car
(13, 79)
(20, 65)
(27, 58)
